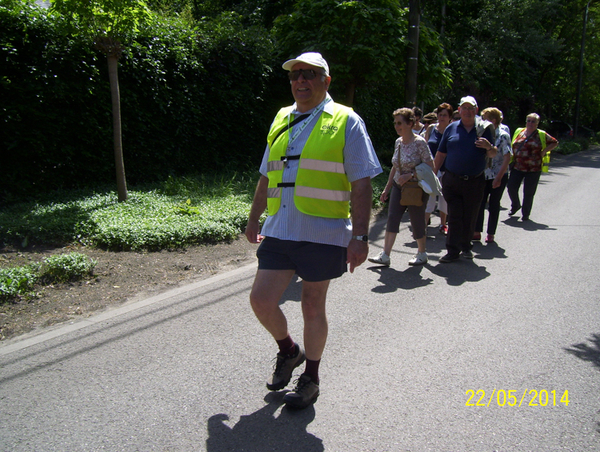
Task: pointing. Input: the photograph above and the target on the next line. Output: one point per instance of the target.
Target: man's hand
(252, 232)
(357, 253)
(497, 182)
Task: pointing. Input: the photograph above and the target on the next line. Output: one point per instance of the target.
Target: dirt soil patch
(118, 277)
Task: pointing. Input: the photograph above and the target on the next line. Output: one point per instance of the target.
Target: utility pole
(414, 18)
(580, 75)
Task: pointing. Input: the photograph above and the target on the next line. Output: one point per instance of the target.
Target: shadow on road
(261, 431)
(589, 353)
(293, 292)
(585, 159)
(488, 251)
(529, 225)
(459, 272)
(585, 352)
(392, 279)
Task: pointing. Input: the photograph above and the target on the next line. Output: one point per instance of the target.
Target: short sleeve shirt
(360, 161)
(462, 156)
(503, 145)
(528, 151)
(408, 156)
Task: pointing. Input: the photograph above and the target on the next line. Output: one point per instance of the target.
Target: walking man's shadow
(261, 431)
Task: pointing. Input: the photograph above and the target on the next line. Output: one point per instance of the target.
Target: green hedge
(193, 100)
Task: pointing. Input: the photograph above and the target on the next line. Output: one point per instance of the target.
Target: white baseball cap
(312, 58)
(468, 100)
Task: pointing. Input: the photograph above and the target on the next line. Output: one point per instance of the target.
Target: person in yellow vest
(318, 161)
(531, 155)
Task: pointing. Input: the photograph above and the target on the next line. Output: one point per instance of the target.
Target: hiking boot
(419, 259)
(285, 365)
(304, 394)
(448, 258)
(467, 254)
(381, 258)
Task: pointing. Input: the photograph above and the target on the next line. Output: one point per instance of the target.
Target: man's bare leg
(315, 318)
(267, 290)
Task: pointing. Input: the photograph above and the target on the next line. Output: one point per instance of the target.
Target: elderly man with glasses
(464, 147)
(319, 160)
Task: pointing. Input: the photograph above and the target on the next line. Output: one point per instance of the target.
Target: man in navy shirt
(463, 148)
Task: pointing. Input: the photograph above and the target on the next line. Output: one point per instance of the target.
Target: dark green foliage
(17, 281)
(54, 107)
(568, 147)
(66, 267)
(193, 100)
(20, 281)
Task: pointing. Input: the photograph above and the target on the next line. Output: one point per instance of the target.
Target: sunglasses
(308, 74)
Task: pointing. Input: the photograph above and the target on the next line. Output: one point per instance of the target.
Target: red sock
(287, 346)
(312, 370)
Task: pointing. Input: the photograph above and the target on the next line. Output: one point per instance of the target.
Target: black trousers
(492, 196)
(464, 199)
(530, 182)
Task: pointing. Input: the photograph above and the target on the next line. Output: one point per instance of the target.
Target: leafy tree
(108, 23)
(363, 41)
(520, 56)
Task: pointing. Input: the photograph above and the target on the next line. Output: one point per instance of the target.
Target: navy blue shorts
(312, 262)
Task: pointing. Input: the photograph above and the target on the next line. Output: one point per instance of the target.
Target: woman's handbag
(412, 194)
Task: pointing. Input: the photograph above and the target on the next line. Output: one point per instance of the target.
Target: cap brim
(289, 64)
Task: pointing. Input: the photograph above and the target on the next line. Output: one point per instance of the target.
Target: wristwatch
(361, 238)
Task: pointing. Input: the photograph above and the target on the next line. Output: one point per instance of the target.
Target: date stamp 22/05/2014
(512, 397)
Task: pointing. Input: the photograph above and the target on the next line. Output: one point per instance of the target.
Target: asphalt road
(475, 355)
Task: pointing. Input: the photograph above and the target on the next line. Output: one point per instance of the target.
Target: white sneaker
(381, 258)
(419, 259)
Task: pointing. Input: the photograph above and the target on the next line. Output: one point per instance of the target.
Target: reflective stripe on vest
(542, 135)
(321, 187)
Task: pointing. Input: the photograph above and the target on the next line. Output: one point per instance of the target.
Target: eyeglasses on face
(532, 120)
(469, 108)
(308, 74)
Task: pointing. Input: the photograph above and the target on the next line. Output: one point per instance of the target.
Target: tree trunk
(113, 75)
(414, 17)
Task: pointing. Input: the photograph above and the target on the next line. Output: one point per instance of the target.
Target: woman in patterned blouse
(410, 150)
(496, 176)
(528, 154)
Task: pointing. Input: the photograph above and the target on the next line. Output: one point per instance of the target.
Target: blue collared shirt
(462, 156)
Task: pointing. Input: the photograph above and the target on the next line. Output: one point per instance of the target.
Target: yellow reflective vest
(321, 188)
(542, 134)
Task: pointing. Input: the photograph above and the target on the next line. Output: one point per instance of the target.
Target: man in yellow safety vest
(318, 162)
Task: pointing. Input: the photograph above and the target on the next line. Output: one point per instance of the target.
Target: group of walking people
(319, 161)
(472, 157)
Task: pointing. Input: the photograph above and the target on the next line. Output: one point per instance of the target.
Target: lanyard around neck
(300, 129)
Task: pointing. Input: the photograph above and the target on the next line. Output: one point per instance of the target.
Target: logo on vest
(328, 129)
